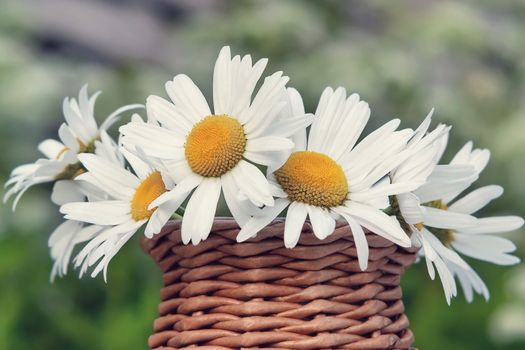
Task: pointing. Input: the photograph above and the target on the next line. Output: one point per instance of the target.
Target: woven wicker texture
(222, 294)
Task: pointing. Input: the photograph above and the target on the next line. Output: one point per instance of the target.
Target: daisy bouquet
(255, 147)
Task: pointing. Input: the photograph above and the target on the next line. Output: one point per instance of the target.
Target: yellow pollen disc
(313, 178)
(419, 226)
(215, 145)
(148, 190)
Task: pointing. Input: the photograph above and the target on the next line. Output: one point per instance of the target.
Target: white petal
(107, 148)
(68, 139)
(325, 116)
(252, 183)
(266, 106)
(66, 191)
(178, 169)
(447, 280)
(169, 115)
(153, 140)
(51, 148)
(234, 83)
(447, 219)
(160, 216)
(222, 84)
(478, 158)
(463, 155)
(422, 129)
(241, 210)
(51, 168)
(385, 190)
(262, 219)
(21, 190)
(428, 251)
(74, 121)
(294, 222)
(141, 168)
(187, 97)
(377, 221)
(442, 251)
(486, 248)
(181, 190)
(111, 178)
(115, 115)
(476, 199)
(495, 224)
(470, 281)
(364, 170)
(410, 208)
(374, 144)
(105, 245)
(360, 241)
(98, 213)
(417, 167)
(244, 83)
(430, 268)
(274, 160)
(442, 142)
(269, 144)
(434, 191)
(453, 172)
(200, 212)
(345, 134)
(323, 224)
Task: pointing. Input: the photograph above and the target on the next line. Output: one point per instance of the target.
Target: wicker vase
(222, 294)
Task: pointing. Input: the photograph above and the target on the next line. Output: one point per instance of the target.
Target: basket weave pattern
(222, 294)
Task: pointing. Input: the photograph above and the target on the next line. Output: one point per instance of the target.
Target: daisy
(206, 152)
(331, 175)
(68, 235)
(77, 135)
(421, 167)
(424, 148)
(448, 226)
(126, 209)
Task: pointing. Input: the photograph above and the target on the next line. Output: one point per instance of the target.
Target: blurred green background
(466, 59)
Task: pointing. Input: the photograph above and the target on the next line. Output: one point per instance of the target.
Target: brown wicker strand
(222, 294)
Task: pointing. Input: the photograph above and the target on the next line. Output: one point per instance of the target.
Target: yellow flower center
(148, 190)
(215, 145)
(313, 178)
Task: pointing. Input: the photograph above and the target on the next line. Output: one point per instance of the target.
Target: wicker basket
(222, 294)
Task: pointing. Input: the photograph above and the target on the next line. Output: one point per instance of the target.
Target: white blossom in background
(68, 235)
(444, 226)
(77, 135)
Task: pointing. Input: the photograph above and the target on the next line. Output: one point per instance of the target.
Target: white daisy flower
(424, 152)
(332, 175)
(68, 235)
(448, 227)
(77, 135)
(125, 210)
(209, 152)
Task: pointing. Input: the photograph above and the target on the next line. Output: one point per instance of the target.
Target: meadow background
(466, 59)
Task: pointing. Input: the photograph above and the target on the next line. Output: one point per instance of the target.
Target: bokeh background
(465, 58)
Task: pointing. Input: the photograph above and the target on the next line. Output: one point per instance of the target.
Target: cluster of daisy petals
(185, 155)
